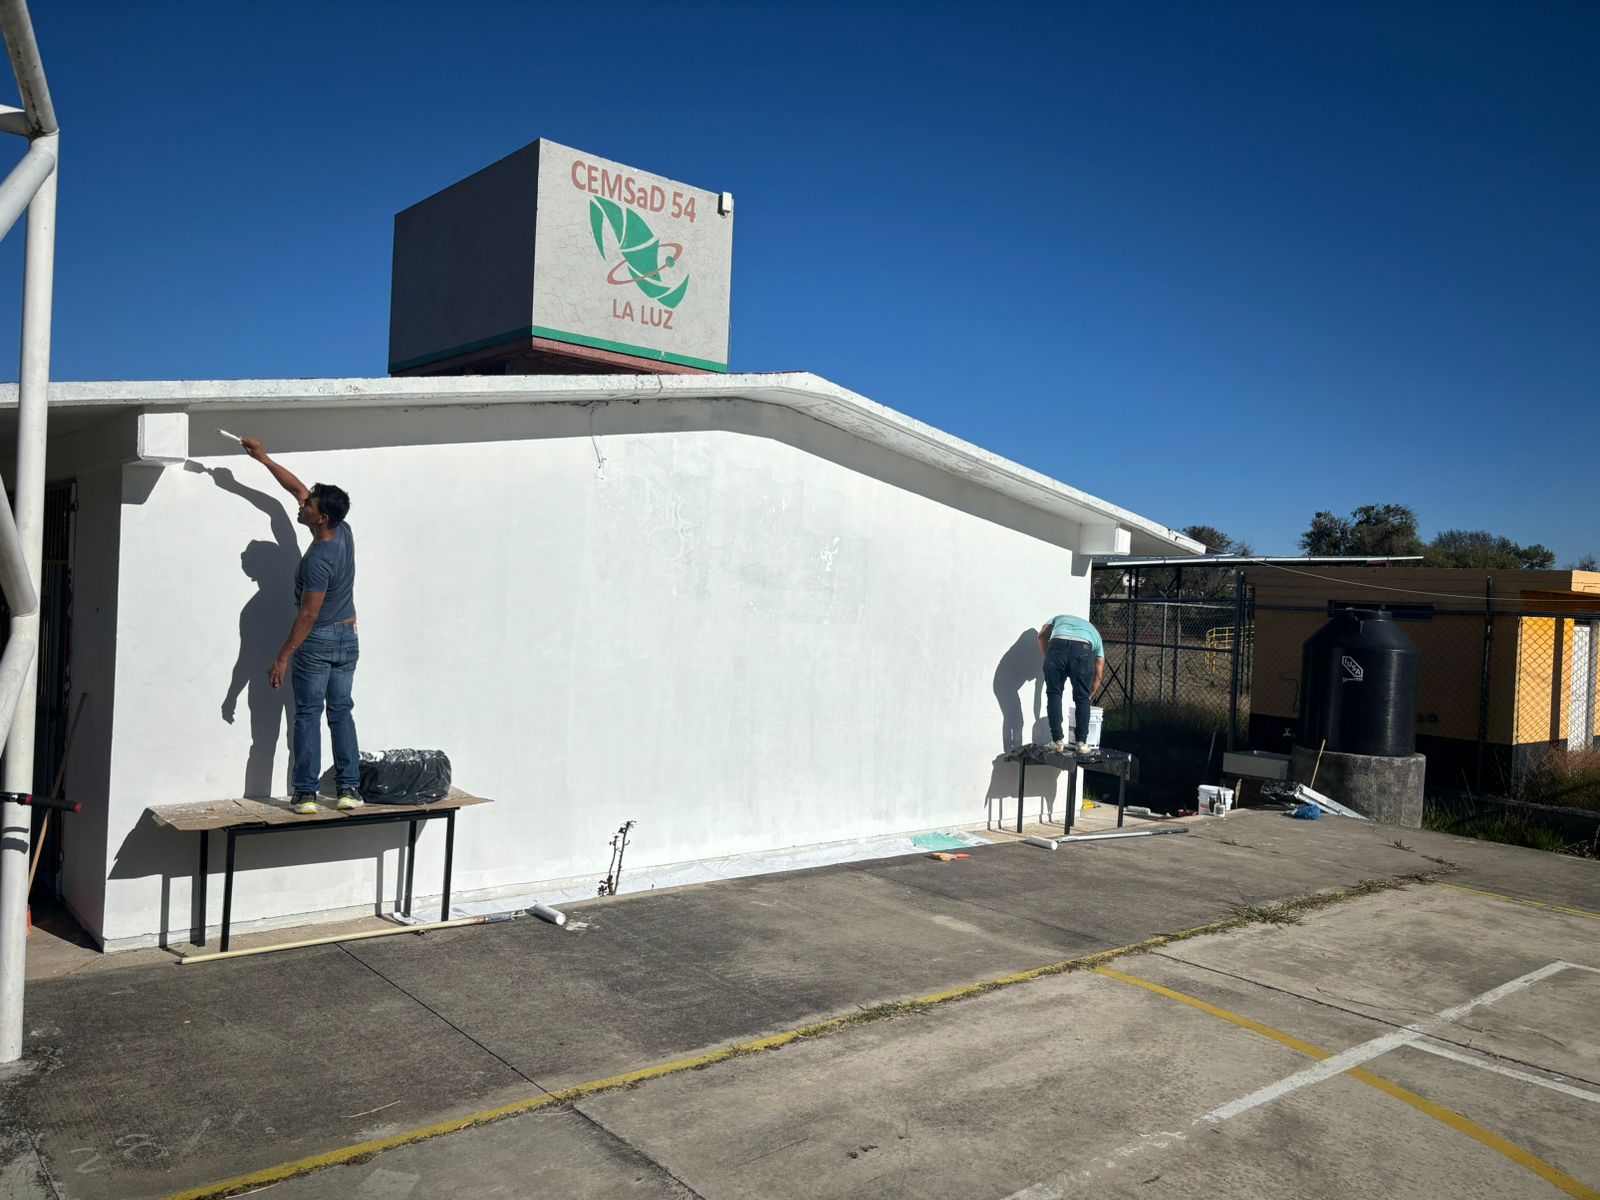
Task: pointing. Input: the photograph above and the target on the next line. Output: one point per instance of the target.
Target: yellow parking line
(1576, 912)
(363, 1150)
(1454, 1120)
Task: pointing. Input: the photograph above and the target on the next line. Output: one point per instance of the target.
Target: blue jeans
(323, 670)
(1068, 662)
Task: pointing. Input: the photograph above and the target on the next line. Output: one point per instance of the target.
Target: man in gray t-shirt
(321, 649)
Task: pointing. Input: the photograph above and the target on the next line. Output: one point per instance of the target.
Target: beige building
(1508, 659)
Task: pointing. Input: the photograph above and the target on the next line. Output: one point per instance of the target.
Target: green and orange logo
(653, 266)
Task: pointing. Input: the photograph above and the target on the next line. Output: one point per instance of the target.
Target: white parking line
(1367, 1051)
(1566, 1089)
(1068, 1183)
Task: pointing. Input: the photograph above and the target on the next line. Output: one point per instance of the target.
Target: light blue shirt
(1077, 628)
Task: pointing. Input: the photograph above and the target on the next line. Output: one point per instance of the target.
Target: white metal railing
(31, 186)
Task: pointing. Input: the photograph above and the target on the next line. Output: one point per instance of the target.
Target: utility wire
(1378, 587)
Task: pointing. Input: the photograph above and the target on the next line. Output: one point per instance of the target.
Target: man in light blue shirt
(1072, 650)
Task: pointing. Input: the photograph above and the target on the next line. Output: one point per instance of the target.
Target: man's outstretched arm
(291, 483)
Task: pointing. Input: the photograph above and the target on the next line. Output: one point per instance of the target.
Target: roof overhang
(1106, 528)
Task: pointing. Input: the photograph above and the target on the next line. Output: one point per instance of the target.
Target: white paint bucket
(1097, 717)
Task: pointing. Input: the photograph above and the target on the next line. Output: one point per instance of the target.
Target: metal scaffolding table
(250, 818)
(1117, 763)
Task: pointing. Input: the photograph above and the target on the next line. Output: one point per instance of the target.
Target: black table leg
(1022, 787)
(200, 882)
(1072, 796)
(227, 891)
(449, 859)
(1122, 796)
(411, 860)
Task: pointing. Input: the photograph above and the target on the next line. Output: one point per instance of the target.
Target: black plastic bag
(405, 776)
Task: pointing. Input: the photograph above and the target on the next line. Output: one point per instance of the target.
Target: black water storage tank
(1358, 678)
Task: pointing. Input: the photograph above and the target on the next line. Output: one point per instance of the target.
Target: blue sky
(1221, 263)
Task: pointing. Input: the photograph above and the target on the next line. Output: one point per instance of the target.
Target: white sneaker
(1056, 747)
(1084, 749)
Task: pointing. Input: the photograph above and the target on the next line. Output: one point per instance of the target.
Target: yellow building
(1508, 659)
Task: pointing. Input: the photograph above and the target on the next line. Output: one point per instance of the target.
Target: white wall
(735, 625)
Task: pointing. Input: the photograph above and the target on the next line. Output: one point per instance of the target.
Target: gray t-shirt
(330, 567)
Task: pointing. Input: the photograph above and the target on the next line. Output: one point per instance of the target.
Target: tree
(1198, 581)
(1481, 550)
(1384, 530)
(1373, 530)
(1585, 563)
(1217, 542)
(1328, 535)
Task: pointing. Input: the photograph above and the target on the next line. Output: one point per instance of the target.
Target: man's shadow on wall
(1018, 667)
(263, 624)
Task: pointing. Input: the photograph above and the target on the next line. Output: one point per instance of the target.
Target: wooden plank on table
(220, 814)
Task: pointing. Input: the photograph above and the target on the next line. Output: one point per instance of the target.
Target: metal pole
(25, 180)
(38, 290)
(1161, 663)
(1177, 639)
(1022, 791)
(36, 176)
(1131, 688)
(1238, 656)
(27, 65)
(1483, 678)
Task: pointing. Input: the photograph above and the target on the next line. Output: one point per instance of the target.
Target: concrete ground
(1435, 1039)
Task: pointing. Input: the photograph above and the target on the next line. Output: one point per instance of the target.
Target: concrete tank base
(1386, 789)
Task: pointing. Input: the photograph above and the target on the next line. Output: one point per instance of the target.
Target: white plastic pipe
(14, 580)
(1046, 843)
(24, 182)
(38, 294)
(27, 65)
(15, 666)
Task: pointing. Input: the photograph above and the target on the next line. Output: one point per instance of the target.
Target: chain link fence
(1176, 692)
(1507, 697)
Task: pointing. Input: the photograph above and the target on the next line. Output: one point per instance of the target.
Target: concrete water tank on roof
(553, 260)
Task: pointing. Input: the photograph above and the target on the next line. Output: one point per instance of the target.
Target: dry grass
(1567, 778)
